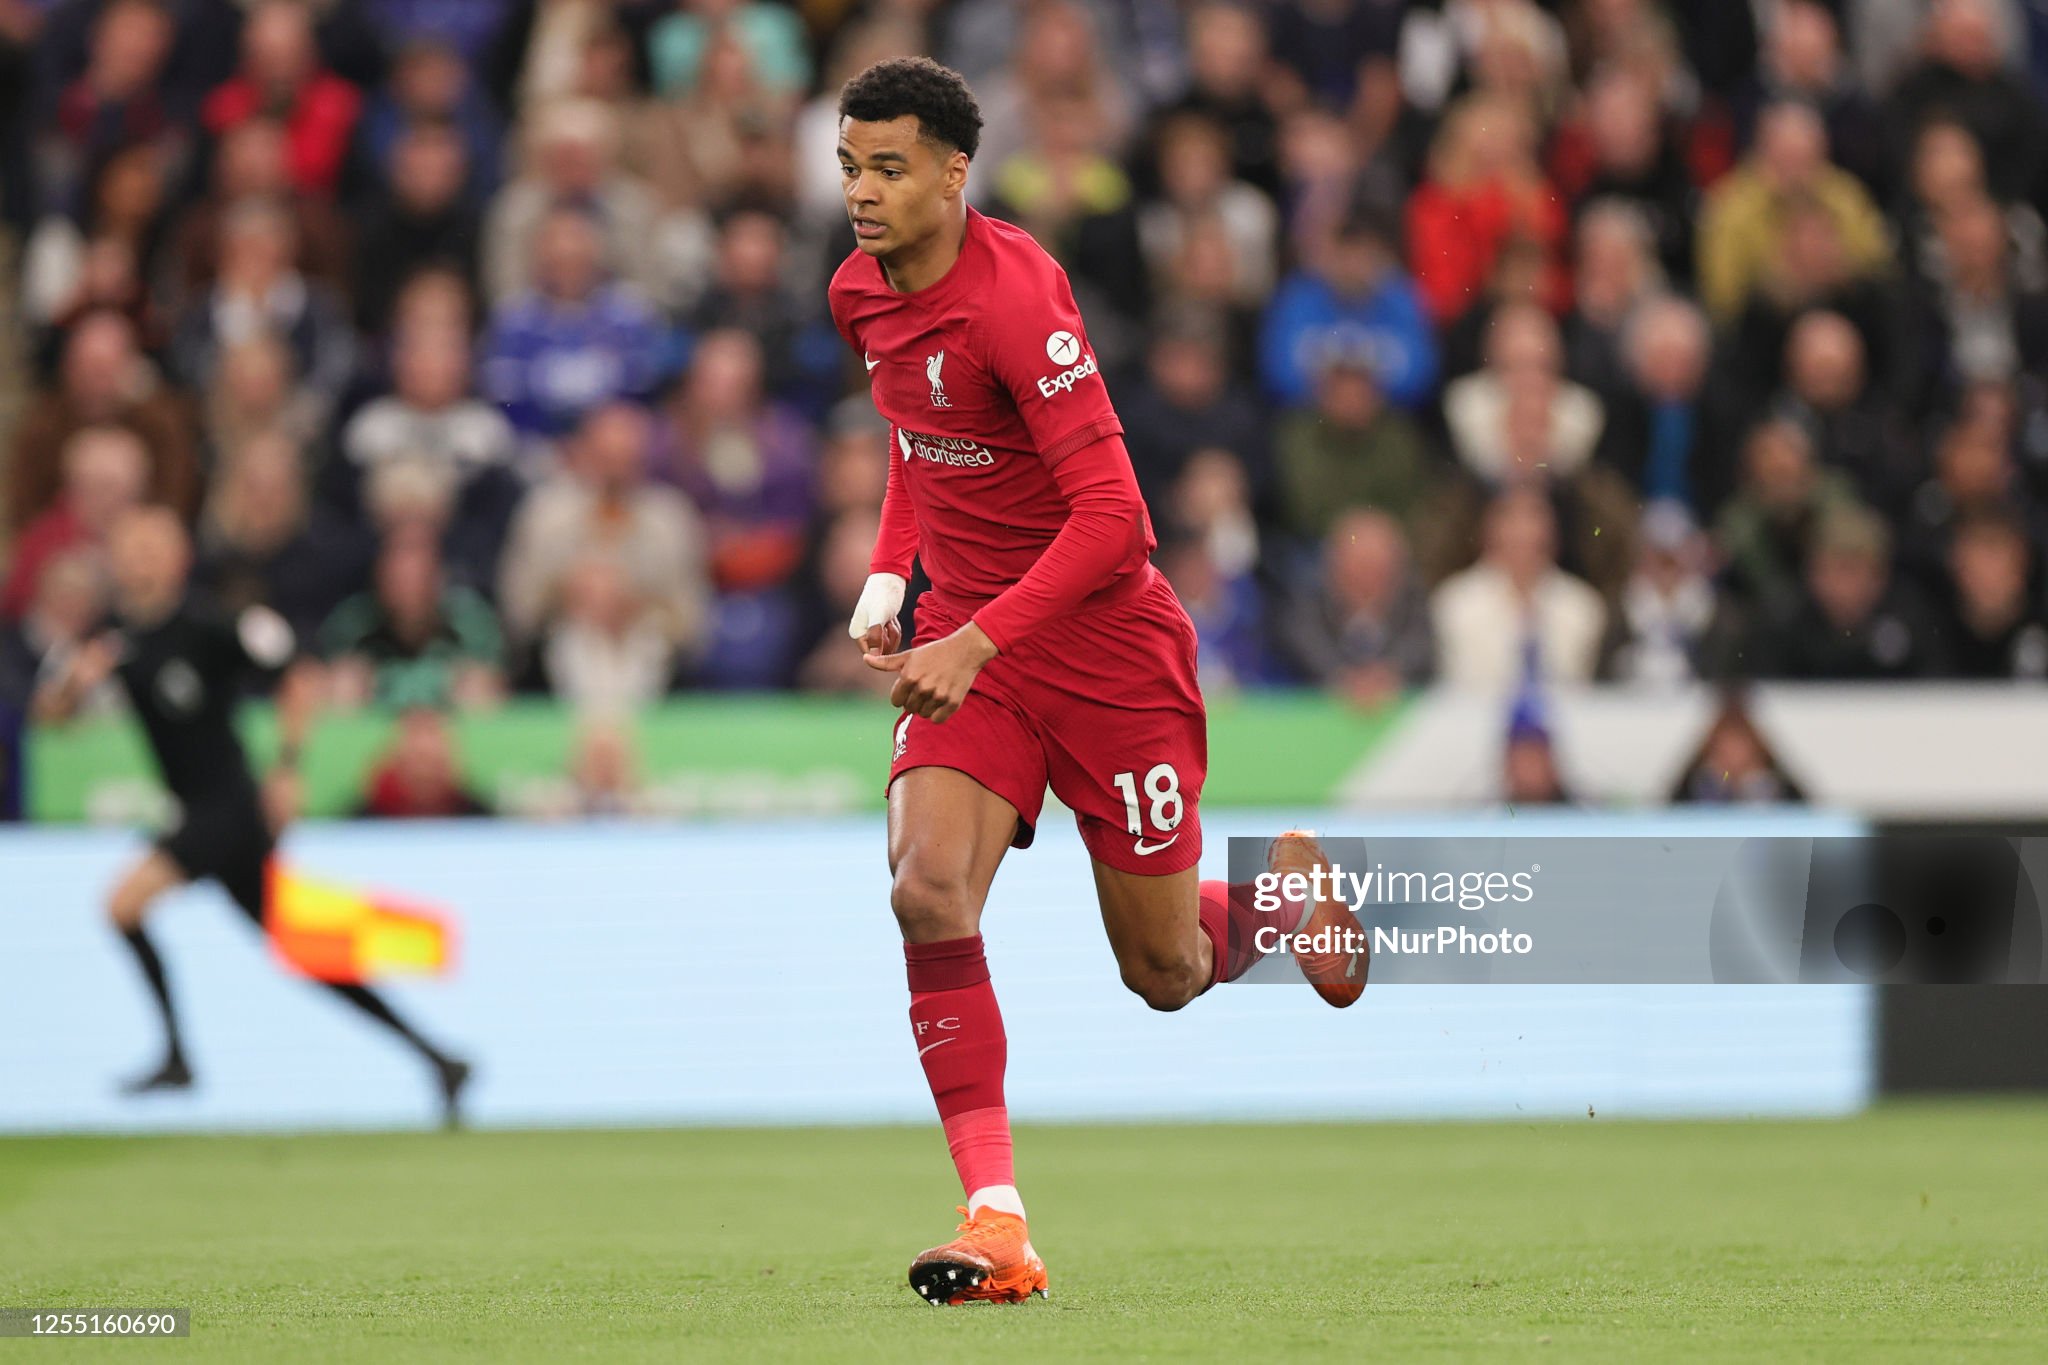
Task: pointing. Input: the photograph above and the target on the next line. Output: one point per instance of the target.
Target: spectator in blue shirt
(576, 340)
(1354, 298)
(429, 84)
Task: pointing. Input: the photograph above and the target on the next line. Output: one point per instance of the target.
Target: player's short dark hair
(936, 96)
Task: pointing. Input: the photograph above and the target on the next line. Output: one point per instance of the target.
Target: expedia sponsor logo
(953, 450)
(1066, 379)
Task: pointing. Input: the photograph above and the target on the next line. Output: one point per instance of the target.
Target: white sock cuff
(1001, 1198)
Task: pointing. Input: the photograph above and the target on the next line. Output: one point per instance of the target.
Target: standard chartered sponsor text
(952, 450)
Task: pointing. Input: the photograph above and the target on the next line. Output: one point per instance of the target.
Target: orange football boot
(1338, 975)
(991, 1259)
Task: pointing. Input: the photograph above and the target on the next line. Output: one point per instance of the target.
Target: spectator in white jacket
(608, 650)
(434, 423)
(1515, 616)
(602, 501)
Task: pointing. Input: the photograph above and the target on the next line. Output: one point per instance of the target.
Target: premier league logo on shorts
(932, 365)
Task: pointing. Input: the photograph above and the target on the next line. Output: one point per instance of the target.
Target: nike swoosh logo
(871, 363)
(1145, 850)
(941, 1043)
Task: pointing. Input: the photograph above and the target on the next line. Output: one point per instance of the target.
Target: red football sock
(1232, 926)
(961, 1045)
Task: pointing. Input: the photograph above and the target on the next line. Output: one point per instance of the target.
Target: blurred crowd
(1478, 342)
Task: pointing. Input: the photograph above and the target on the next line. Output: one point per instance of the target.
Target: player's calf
(127, 905)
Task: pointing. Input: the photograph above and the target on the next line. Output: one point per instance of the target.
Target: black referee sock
(372, 1004)
(160, 986)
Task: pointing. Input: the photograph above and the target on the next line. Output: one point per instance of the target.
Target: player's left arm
(1043, 359)
(1039, 352)
(1104, 535)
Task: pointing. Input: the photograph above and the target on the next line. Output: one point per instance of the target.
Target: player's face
(149, 554)
(899, 186)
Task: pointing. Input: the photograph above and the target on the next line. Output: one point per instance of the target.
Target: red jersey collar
(957, 276)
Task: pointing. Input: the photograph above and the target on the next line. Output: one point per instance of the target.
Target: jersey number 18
(1162, 785)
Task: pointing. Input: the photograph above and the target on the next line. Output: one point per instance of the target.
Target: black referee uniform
(184, 676)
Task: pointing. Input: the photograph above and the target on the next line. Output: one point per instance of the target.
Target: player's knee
(126, 906)
(1164, 983)
(929, 906)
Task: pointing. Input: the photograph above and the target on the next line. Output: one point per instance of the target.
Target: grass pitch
(1913, 1233)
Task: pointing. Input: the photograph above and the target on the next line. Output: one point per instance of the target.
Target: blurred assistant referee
(183, 664)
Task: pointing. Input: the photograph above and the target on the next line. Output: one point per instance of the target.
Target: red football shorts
(1102, 707)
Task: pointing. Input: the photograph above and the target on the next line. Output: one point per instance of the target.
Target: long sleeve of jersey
(1106, 534)
(896, 542)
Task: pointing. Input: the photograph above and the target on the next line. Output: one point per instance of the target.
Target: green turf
(1911, 1234)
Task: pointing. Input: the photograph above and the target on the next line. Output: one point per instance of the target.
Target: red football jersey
(989, 384)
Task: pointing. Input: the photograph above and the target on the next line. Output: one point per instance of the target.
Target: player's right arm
(874, 626)
(874, 623)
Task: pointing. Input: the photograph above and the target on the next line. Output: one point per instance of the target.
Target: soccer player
(1048, 650)
(182, 664)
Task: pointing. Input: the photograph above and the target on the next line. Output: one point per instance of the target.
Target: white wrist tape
(879, 602)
